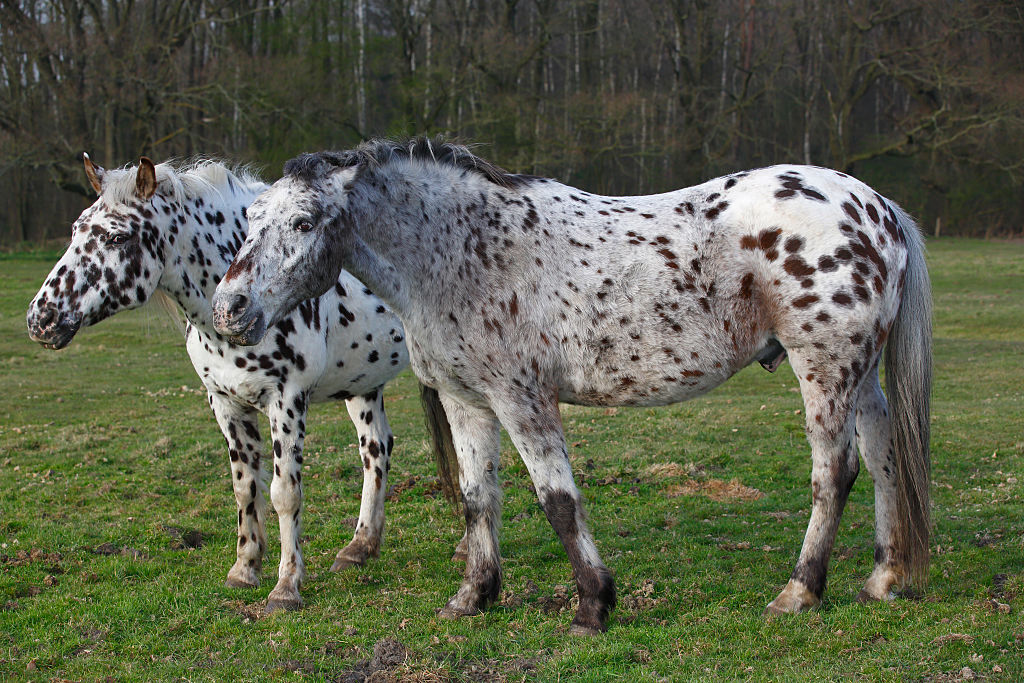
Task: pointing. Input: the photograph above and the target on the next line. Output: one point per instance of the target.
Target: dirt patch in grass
(388, 655)
(643, 597)
(510, 598)
(561, 599)
(496, 670)
(92, 637)
(695, 483)
(111, 549)
(183, 539)
(22, 557)
(248, 611)
(672, 470)
(715, 489)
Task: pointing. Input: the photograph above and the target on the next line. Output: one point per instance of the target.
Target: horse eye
(119, 238)
(304, 226)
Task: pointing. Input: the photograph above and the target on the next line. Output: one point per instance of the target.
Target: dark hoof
(864, 597)
(452, 612)
(585, 630)
(283, 605)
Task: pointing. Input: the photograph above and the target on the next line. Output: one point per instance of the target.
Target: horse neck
(397, 215)
(203, 248)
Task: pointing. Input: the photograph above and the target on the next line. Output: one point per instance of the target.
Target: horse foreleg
(476, 436)
(375, 444)
(241, 430)
(834, 468)
(535, 427)
(874, 438)
(288, 429)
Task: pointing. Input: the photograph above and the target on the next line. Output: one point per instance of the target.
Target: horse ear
(145, 180)
(93, 172)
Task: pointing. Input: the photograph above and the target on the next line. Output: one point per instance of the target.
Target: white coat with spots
(520, 292)
(155, 229)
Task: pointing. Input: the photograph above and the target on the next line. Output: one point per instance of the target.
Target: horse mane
(376, 153)
(180, 183)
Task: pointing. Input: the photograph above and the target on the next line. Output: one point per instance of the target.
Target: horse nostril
(237, 304)
(47, 316)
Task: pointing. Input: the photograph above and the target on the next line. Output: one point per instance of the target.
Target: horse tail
(441, 443)
(908, 378)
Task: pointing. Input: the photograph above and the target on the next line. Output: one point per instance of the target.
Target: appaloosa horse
(519, 292)
(157, 229)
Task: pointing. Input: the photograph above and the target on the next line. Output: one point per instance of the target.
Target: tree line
(921, 98)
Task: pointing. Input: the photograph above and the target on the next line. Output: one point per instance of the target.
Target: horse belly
(669, 374)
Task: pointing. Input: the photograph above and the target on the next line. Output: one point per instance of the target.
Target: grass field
(109, 458)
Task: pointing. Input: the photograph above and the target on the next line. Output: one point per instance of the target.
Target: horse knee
(286, 495)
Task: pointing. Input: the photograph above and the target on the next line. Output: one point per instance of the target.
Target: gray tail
(441, 443)
(908, 379)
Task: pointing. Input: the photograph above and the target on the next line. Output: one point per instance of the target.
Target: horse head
(115, 258)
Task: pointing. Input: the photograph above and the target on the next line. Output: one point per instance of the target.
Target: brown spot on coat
(805, 301)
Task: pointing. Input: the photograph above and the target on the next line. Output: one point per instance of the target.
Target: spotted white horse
(157, 229)
(519, 292)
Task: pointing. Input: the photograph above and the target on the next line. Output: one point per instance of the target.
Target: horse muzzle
(50, 328)
(238, 318)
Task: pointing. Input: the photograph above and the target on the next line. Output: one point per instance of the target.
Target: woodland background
(924, 99)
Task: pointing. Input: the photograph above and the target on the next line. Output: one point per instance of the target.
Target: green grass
(110, 442)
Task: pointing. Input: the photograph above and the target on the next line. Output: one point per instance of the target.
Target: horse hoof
(235, 582)
(584, 630)
(452, 612)
(779, 607)
(793, 599)
(345, 562)
(283, 605)
(865, 597)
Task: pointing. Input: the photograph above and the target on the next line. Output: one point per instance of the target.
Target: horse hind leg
(375, 445)
(830, 431)
(874, 439)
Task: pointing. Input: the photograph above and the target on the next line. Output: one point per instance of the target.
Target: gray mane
(379, 152)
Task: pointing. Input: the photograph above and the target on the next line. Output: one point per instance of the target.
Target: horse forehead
(292, 192)
(280, 200)
(89, 216)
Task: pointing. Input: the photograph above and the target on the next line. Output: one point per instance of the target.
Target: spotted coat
(173, 232)
(520, 292)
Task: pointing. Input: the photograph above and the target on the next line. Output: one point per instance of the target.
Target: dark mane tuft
(375, 153)
(313, 166)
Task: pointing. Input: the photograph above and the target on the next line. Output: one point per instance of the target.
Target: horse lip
(56, 337)
(228, 319)
(252, 333)
(246, 330)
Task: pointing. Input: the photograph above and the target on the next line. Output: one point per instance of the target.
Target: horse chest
(228, 372)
